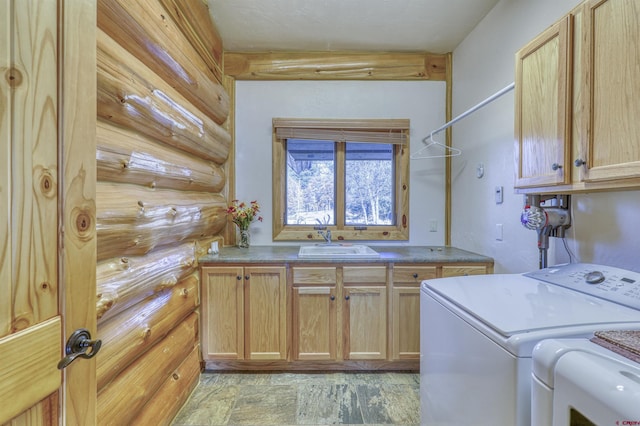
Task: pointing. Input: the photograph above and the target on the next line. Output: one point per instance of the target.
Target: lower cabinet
(335, 318)
(314, 323)
(244, 313)
(364, 313)
(405, 309)
(316, 316)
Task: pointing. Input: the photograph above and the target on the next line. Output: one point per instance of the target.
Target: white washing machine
(577, 382)
(478, 334)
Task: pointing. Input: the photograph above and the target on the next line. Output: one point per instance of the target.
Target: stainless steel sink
(337, 250)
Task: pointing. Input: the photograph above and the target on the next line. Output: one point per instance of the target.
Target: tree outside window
(358, 189)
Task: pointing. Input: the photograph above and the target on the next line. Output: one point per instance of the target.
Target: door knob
(77, 346)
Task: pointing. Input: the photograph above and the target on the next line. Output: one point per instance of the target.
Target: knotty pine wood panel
(128, 335)
(335, 66)
(148, 31)
(132, 220)
(173, 393)
(194, 19)
(123, 282)
(133, 96)
(126, 156)
(30, 324)
(123, 399)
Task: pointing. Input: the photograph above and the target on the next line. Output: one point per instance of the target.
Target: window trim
(398, 134)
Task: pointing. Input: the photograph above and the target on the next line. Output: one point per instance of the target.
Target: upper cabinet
(610, 137)
(542, 124)
(577, 102)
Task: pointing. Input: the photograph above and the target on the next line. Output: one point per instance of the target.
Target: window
(349, 176)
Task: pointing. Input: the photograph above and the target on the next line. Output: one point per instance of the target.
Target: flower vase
(244, 240)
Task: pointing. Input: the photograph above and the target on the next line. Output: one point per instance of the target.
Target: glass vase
(244, 240)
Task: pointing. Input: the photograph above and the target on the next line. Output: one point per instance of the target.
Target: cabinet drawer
(413, 274)
(455, 271)
(314, 275)
(364, 275)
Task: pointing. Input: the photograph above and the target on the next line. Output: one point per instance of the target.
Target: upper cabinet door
(610, 147)
(543, 108)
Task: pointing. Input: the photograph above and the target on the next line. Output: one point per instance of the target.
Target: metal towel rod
(454, 151)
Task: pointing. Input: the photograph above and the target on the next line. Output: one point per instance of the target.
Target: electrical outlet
(499, 231)
(433, 225)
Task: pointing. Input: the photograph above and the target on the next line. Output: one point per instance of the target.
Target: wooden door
(542, 109)
(265, 313)
(223, 312)
(47, 219)
(611, 91)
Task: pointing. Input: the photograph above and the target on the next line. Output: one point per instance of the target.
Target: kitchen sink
(337, 250)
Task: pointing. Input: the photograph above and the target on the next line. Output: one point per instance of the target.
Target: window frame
(398, 131)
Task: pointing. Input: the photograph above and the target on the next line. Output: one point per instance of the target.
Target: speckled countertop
(388, 254)
(624, 342)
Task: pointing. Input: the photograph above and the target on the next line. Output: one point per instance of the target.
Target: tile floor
(287, 398)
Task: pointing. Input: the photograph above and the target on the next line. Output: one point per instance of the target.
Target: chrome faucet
(326, 235)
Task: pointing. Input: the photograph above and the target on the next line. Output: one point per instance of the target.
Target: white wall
(257, 102)
(604, 229)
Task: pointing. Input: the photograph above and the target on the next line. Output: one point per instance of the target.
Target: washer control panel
(606, 282)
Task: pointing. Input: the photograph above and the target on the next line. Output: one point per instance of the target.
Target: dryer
(577, 382)
(478, 334)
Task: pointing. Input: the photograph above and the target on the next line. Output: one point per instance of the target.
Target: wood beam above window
(335, 66)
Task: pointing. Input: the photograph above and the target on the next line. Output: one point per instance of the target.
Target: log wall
(163, 154)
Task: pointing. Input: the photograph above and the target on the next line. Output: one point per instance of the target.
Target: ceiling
(435, 26)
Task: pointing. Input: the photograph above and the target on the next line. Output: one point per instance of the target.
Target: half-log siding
(162, 170)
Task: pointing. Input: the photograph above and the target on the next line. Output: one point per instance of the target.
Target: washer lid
(512, 303)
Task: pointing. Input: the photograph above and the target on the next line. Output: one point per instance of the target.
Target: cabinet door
(265, 313)
(542, 109)
(364, 312)
(611, 93)
(405, 310)
(222, 313)
(406, 322)
(314, 323)
(365, 322)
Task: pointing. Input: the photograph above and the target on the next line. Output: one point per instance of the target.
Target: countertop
(388, 254)
(625, 342)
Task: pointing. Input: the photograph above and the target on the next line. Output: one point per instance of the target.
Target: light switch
(498, 192)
